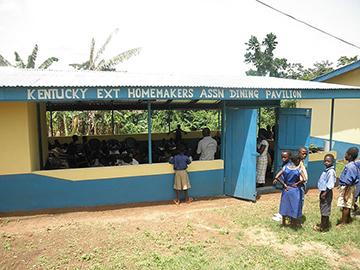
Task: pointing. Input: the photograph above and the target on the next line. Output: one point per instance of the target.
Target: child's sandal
(189, 200)
(318, 228)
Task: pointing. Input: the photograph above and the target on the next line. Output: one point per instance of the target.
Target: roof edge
(337, 72)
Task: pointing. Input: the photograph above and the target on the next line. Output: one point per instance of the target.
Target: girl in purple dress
(291, 196)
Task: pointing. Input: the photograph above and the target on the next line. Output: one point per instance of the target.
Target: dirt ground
(93, 239)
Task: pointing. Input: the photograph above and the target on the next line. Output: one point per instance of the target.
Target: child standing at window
(291, 196)
(326, 184)
(349, 178)
(181, 182)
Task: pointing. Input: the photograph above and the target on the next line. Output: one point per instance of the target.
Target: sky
(177, 36)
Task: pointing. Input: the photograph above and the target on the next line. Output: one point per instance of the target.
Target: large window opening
(96, 138)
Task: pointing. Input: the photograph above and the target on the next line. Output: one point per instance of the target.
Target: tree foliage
(93, 63)
(68, 123)
(344, 60)
(31, 60)
(261, 56)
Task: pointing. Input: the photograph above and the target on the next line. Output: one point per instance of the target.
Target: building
(344, 130)
(26, 95)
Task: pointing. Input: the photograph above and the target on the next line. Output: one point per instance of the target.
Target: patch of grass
(191, 256)
(87, 256)
(239, 236)
(346, 267)
(335, 237)
(7, 246)
(42, 260)
(313, 262)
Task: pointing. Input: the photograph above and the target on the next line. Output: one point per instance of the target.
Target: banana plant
(19, 63)
(93, 63)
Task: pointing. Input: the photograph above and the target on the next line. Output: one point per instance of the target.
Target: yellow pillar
(19, 139)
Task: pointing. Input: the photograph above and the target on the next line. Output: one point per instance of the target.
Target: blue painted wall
(338, 146)
(315, 168)
(26, 192)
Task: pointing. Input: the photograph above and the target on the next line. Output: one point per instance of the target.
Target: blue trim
(26, 192)
(149, 132)
(332, 122)
(337, 72)
(36, 94)
(223, 130)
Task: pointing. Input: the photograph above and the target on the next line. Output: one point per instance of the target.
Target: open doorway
(265, 144)
(289, 130)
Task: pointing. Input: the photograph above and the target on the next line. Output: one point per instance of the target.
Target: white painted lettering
(220, 93)
(117, 92)
(251, 94)
(99, 93)
(232, 93)
(191, 93)
(30, 94)
(83, 92)
(75, 93)
(267, 94)
(203, 94)
(68, 93)
(40, 94)
(108, 93)
(131, 93)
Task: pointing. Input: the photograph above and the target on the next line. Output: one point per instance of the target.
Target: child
(357, 191)
(326, 184)
(285, 158)
(181, 182)
(291, 196)
(347, 183)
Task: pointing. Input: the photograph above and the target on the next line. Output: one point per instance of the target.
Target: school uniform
(303, 186)
(180, 162)
(357, 191)
(348, 180)
(326, 184)
(291, 200)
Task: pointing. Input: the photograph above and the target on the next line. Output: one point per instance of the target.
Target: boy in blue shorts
(326, 184)
(349, 178)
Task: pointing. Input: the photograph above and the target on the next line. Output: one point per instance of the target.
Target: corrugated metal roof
(13, 77)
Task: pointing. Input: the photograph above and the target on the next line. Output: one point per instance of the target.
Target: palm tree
(19, 63)
(105, 65)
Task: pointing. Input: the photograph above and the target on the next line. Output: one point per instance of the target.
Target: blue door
(293, 131)
(240, 153)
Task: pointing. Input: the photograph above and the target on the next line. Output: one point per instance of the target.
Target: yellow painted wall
(129, 171)
(320, 117)
(348, 78)
(18, 138)
(347, 111)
